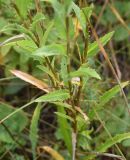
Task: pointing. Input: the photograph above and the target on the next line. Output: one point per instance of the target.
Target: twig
(15, 140)
(101, 13)
(110, 64)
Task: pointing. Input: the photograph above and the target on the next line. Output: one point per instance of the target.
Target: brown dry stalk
(101, 13)
(51, 151)
(115, 60)
(118, 16)
(38, 6)
(109, 63)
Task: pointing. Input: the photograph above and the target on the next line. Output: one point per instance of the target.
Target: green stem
(15, 140)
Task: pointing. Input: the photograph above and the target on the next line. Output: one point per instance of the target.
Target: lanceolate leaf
(65, 128)
(64, 125)
(58, 95)
(85, 72)
(44, 39)
(81, 17)
(30, 79)
(38, 17)
(93, 48)
(114, 140)
(108, 95)
(50, 50)
(34, 129)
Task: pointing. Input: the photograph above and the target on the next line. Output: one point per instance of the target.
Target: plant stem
(15, 140)
(74, 125)
(19, 14)
(38, 6)
(53, 71)
(68, 51)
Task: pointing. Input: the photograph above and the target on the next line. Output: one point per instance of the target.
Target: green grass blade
(34, 129)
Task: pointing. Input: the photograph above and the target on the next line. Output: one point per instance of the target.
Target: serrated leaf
(108, 95)
(34, 129)
(110, 142)
(50, 50)
(58, 95)
(85, 72)
(93, 48)
(27, 45)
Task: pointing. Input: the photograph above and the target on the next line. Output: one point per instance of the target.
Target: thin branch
(110, 65)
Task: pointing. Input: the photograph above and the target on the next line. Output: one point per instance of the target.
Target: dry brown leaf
(118, 16)
(82, 113)
(51, 151)
(30, 79)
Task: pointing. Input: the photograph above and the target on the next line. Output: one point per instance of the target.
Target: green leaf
(46, 34)
(27, 45)
(37, 18)
(67, 5)
(23, 6)
(64, 126)
(81, 17)
(85, 72)
(13, 40)
(50, 50)
(58, 95)
(46, 70)
(108, 95)
(93, 48)
(64, 116)
(121, 33)
(15, 123)
(110, 142)
(88, 11)
(58, 8)
(64, 105)
(34, 129)
(63, 71)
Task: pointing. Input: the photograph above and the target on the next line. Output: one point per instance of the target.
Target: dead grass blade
(51, 151)
(110, 64)
(32, 80)
(118, 16)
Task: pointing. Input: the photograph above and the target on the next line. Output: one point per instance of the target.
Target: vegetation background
(61, 64)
